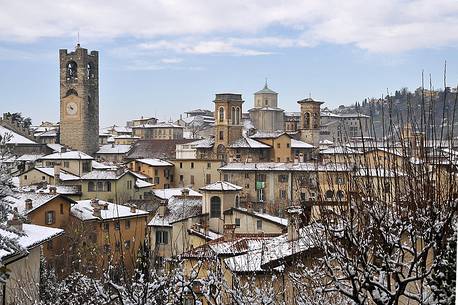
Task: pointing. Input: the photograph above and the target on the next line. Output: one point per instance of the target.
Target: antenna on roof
(78, 40)
(265, 85)
(310, 94)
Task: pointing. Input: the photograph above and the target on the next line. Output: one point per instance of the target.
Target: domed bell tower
(79, 99)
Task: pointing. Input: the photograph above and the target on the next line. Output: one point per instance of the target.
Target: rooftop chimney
(56, 175)
(28, 204)
(63, 149)
(53, 190)
(185, 192)
(228, 232)
(15, 222)
(294, 218)
(133, 208)
(97, 211)
(162, 207)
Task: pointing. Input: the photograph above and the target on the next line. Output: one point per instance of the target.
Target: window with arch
(307, 120)
(71, 70)
(237, 115)
(221, 114)
(90, 70)
(237, 201)
(329, 195)
(71, 92)
(91, 186)
(233, 115)
(215, 207)
(340, 195)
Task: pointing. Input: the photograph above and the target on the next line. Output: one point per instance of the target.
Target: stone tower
(228, 120)
(265, 115)
(79, 99)
(310, 121)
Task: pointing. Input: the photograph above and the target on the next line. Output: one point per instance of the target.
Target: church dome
(266, 90)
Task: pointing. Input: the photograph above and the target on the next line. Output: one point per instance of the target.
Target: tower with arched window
(310, 121)
(79, 99)
(228, 121)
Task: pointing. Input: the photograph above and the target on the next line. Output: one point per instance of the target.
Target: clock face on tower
(71, 108)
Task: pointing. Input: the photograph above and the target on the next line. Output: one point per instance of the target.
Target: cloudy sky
(162, 58)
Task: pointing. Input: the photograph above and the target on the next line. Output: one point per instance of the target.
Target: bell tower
(79, 99)
(310, 121)
(228, 121)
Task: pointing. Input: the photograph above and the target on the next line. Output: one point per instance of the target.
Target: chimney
(53, 190)
(56, 175)
(28, 204)
(97, 211)
(94, 202)
(133, 208)
(15, 222)
(162, 207)
(112, 145)
(228, 232)
(185, 192)
(249, 207)
(63, 149)
(294, 219)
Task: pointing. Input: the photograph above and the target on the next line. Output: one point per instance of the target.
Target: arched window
(90, 186)
(340, 195)
(71, 70)
(90, 70)
(237, 201)
(221, 114)
(71, 92)
(237, 116)
(108, 186)
(215, 207)
(329, 195)
(233, 115)
(307, 120)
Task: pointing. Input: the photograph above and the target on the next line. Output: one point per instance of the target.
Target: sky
(162, 58)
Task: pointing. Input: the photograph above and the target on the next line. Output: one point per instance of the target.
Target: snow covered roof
(63, 175)
(34, 235)
(278, 166)
(154, 162)
(158, 125)
(142, 183)
(15, 137)
(268, 134)
(326, 142)
(100, 175)
(206, 234)
(203, 143)
(299, 144)
(245, 142)
(221, 186)
(268, 217)
(68, 155)
(60, 189)
(55, 147)
(178, 208)
(338, 150)
(84, 210)
(17, 200)
(169, 193)
(29, 157)
(102, 166)
(272, 250)
(114, 149)
(379, 172)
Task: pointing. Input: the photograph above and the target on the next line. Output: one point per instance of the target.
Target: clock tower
(79, 99)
